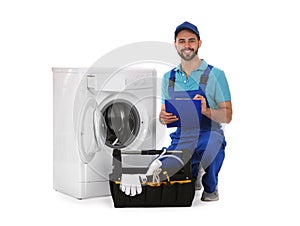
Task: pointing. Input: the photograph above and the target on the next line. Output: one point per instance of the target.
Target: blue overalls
(207, 142)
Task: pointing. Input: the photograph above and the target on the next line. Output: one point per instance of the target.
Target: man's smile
(187, 51)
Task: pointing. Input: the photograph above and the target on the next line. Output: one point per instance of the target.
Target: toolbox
(176, 188)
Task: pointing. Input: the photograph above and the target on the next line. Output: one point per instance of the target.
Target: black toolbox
(178, 190)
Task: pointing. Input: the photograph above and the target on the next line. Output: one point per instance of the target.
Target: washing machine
(95, 111)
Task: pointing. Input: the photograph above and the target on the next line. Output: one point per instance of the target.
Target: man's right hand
(165, 117)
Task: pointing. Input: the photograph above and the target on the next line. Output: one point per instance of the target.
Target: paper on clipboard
(187, 111)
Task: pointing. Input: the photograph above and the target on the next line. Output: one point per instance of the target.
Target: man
(195, 79)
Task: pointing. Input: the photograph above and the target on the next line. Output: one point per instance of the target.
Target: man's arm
(222, 115)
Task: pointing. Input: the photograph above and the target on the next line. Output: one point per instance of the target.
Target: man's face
(187, 44)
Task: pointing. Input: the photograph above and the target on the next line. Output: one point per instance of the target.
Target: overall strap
(204, 77)
(172, 78)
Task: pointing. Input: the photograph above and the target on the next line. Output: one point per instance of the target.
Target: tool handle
(149, 152)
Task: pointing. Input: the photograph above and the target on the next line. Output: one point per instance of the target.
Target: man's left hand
(203, 102)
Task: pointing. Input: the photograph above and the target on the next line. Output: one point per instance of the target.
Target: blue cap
(187, 26)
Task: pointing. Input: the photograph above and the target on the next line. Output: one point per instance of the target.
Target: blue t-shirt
(217, 89)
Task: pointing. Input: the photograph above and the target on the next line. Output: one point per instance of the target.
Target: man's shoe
(208, 197)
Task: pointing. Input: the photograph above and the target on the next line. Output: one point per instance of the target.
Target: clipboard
(188, 112)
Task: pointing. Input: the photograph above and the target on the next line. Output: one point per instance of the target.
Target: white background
(256, 43)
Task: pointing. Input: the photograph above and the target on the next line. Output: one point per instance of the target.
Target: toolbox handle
(117, 161)
(148, 152)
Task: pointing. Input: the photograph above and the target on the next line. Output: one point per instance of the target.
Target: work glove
(131, 183)
(155, 165)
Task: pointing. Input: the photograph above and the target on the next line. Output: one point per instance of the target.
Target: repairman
(197, 80)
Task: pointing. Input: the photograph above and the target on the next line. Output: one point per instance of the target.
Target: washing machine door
(92, 130)
(123, 123)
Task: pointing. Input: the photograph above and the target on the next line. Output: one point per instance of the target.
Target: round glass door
(123, 123)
